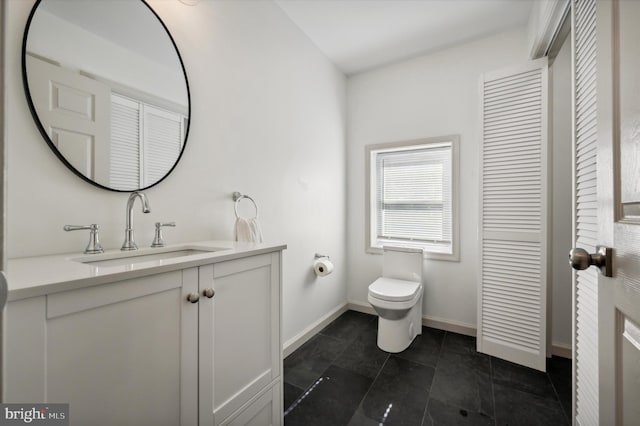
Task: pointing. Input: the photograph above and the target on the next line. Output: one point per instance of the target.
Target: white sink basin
(138, 256)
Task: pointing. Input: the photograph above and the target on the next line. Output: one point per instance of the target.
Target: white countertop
(37, 276)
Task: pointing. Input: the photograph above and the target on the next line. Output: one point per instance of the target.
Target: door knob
(580, 259)
(193, 297)
(208, 292)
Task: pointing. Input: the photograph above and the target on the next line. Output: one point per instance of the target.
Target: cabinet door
(240, 349)
(121, 353)
(265, 410)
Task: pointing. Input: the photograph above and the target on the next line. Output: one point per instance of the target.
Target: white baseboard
(299, 339)
(433, 322)
(365, 309)
(450, 325)
(557, 349)
(562, 350)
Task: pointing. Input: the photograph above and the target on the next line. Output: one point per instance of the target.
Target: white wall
(561, 238)
(429, 96)
(268, 119)
(76, 48)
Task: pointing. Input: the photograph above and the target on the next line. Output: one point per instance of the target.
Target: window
(412, 199)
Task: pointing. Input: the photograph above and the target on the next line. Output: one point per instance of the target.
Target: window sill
(453, 257)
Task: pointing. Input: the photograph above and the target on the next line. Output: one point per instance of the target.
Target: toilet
(397, 298)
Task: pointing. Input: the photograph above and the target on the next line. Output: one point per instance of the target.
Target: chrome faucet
(129, 242)
(94, 246)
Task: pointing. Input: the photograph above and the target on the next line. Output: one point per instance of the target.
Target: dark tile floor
(340, 377)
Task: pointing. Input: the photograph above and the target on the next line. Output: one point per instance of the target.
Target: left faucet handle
(94, 246)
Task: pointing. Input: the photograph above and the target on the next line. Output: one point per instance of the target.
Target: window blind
(413, 197)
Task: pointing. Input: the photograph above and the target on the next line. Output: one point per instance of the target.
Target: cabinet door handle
(193, 297)
(209, 292)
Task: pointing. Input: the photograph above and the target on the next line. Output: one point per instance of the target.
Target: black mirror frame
(48, 140)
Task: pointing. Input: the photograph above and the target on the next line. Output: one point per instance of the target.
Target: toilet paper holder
(322, 265)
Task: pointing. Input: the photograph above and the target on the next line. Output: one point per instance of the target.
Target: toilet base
(396, 335)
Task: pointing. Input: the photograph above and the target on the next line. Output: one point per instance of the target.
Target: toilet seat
(393, 290)
(395, 306)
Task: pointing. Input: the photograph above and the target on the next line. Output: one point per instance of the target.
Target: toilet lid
(393, 290)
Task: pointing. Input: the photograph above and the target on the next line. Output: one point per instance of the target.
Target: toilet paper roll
(323, 266)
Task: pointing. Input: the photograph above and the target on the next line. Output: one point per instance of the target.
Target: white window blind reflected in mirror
(145, 142)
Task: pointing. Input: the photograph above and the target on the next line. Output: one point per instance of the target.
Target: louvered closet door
(125, 160)
(146, 141)
(163, 136)
(586, 211)
(513, 215)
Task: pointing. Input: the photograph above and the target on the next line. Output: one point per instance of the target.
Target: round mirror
(108, 90)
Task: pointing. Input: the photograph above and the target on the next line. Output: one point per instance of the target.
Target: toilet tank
(402, 263)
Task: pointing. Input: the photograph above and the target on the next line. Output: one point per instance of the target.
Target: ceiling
(131, 25)
(358, 35)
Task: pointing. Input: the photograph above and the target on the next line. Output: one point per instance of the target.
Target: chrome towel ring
(237, 197)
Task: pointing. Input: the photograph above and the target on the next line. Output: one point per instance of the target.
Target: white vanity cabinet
(143, 351)
(239, 344)
(120, 353)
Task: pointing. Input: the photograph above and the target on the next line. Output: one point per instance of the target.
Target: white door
(585, 287)
(512, 292)
(616, 384)
(75, 113)
(162, 143)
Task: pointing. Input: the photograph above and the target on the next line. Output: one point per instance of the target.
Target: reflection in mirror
(108, 90)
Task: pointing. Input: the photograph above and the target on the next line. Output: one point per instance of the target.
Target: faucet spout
(143, 200)
(129, 241)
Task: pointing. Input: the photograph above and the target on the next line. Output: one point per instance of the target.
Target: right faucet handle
(159, 241)
(94, 246)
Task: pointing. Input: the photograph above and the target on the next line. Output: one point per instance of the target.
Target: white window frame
(371, 152)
